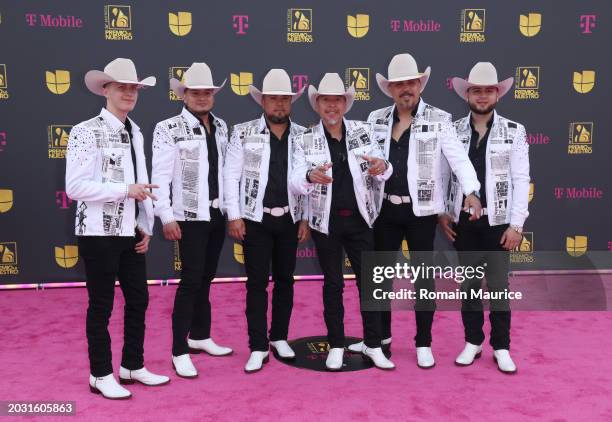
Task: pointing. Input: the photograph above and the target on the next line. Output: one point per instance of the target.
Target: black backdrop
(570, 207)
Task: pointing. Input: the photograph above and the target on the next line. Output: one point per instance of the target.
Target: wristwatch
(517, 229)
(308, 176)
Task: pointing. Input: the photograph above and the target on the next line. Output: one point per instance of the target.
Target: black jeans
(353, 234)
(107, 258)
(273, 241)
(478, 242)
(199, 248)
(395, 223)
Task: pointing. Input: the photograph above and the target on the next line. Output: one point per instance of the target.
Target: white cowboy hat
(402, 67)
(119, 70)
(276, 82)
(331, 84)
(198, 76)
(482, 74)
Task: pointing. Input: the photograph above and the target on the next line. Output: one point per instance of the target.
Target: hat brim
(313, 94)
(96, 79)
(383, 83)
(461, 86)
(179, 88)
(258, 95)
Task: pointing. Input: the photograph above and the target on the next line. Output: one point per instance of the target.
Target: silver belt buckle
(277, 212)
(214, 203)
(395, 199)
(483, 211)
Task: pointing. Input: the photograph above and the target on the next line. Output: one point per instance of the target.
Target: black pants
(107, 258)
(199, 249)
(478, 242)
(353, 234)
(273, 241)
(395, 223)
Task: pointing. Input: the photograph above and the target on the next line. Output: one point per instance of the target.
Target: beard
(474, 108)
(331, 122)
(277, 120)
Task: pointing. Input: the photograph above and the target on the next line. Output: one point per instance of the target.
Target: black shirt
(276, 189)
(213, 156)
(343, 192)
(478, 157)
(398, 157)
(128, 129)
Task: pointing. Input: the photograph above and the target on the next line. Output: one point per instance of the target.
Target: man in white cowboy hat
(499, 151)
(188, 153)
(417, 139)
(107, 174)
(264, 215)
(340, 166)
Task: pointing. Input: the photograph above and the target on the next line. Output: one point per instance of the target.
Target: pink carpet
(564, 361)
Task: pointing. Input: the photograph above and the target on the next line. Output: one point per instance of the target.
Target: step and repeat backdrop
(557, 52)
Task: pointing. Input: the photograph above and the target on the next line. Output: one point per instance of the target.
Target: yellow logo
(527, 83)
(6, 200)
(58, 140)
(318, 347)
(359, 78)
(577, 245)
(178, 265)
(8, 253)
(299, 25)
(531, 191)
(472, 25)
(580, 138)
(530, 24)
(3, 83)
(526, 244)
(524, 251)
(177, 72)
(180, 23)
(67, 257)
(238, 253)
(118, 22)
(8, 258)
(358, 25)
(58, 81)
(584, 81)
(405, 250)
(240, 82)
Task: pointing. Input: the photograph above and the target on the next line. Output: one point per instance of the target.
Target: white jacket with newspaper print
(247, 167)
(312, 151)
(432, 140)
(180, 159)
(99, 170)
(507, 172)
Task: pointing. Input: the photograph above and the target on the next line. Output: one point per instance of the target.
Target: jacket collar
(345, 127)
(193, 120)
(416, 114)
(262, 125)
(116, 124)
(466, 124)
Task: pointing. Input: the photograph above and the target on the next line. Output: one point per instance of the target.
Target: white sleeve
(297, 180)
(80, 170)
(446, 176)
(164, 155)
(232, 174)
(458, 159)
(376, 151)
(519, 171)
